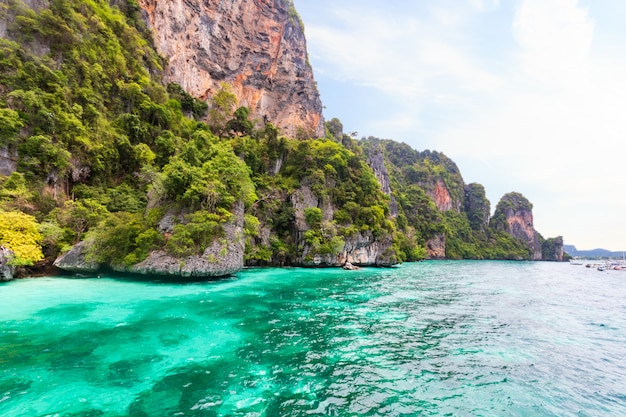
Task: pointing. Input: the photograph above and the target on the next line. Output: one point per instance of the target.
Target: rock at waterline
(6, 271)
(349, 267)
(75, 260)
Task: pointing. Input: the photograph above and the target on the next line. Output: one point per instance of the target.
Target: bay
(465, 338)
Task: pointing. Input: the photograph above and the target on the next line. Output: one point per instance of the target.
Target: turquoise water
(433, 338)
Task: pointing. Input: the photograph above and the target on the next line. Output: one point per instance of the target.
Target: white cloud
(484, 5)
(402, 120)
(397, 55)
(555, 37)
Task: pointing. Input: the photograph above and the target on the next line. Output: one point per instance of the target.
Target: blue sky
(524, 95)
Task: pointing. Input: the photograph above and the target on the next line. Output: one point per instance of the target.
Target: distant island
(593, 253)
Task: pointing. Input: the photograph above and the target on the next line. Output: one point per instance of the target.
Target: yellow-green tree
(14, 193)
(19, 232)
(223, 104)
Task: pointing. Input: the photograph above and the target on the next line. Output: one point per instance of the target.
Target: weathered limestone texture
(256, 46)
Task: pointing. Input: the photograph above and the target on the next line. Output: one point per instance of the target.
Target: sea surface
(427, 339)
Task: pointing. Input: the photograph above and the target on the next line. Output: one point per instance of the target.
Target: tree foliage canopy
(19, 232)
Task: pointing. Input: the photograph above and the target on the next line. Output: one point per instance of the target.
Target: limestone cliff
(441, 195)
(376, 161)
(477, 206)
(222, 257)
(427, 184)
(552, 249)
(362, 248)
(8, 161)
(514, 215)
(444, 184)
(436, 247)
(257, 46)
(442, 198)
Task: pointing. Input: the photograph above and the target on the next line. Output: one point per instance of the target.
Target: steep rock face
(476, 206)
(521, 227)
(376, 161)
(302, 199)
(447, 189)
(436, 247)
(8, 161)
(441, 196)
(257, 46)
(437, 176)
(362, 249)
(514, 215)
(552, 249)
(7, 16)
(444, 199)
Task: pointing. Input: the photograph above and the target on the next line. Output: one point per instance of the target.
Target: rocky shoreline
(49, 269)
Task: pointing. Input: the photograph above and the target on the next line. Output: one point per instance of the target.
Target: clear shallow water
(434, 338)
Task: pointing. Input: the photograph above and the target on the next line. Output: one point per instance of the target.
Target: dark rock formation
(552, 249)
(257, 46)
(514, 215)
(477, 206)
(76, 260)
(436, 247)
(7, 271)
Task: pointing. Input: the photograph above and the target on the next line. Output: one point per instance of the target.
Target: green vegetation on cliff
(98, 147)
(420, 181)
(98, 138)
(345, 194)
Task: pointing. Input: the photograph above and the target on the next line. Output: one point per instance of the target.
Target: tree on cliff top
(508, 204)
(477, 206)
(221, 109)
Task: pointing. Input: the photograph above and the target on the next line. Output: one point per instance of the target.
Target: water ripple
(435, 338)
